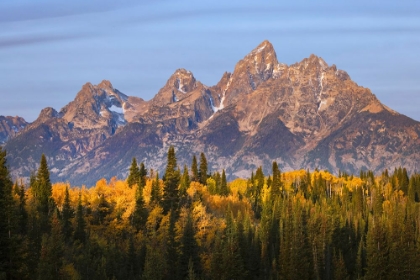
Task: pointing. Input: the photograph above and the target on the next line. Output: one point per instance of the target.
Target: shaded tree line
(192, 224)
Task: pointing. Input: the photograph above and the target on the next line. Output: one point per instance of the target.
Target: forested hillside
(188, 224)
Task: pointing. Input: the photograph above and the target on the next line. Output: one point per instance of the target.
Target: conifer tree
(185, 184)
(51, 258)
(139, 215)
(155, 195)
(275, 185)
(170, 197)
(257, 189)
(79, 233)
(142, 177)
(233, 265)
(43, 192)
(223, 186)
(22, 213)
(6, 217)
(134, 175)
(377, 250)
(171, 246)
(218, 180)
(189, 250)
(194, 170)
(202, 173)
(66, 215)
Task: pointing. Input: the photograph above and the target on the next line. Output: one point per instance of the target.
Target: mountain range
(306, 115)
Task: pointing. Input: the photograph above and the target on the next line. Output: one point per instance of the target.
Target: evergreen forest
(188, 223)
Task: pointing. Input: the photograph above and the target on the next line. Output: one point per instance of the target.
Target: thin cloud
(25, 10)
(284, 11)
(36, 39)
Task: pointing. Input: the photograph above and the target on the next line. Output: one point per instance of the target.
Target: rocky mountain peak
(105, 84)
(45, 115)
(265, 49)
(255, 68)
(96, 106)
(10, 126)
(182, 80)
(178, 86)
(48, 113)
(306, 115)
(260, 62)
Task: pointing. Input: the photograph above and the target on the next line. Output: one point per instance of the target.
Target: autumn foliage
(284, 225)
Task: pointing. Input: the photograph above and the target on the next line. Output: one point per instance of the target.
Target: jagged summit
(254, 69)
(305, 115)
(182, 80)
(10, 126)
(96, 106)
(105, 84)
(179, 85)
(265, 49)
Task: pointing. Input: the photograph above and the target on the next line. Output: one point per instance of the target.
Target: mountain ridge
(304, 115)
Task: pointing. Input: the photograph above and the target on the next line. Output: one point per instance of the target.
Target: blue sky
(49, 49)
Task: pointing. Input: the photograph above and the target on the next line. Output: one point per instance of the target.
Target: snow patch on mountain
(115, 109)
(180, 86)
(174, 97)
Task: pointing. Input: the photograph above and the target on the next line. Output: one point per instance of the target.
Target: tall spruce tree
(52, 251)
(66, 215)
(185, 184)
(139, 215)
(43, 190)
(155, 195)
(189, 250)
(142, 175)
(170, 197)
(223, 185)
(6, 219)
(79, 232)
(275, 185)
(202, 173)
(134, 175)
(22, 212)
(194, 169)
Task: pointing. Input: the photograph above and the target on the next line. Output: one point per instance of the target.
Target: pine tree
(185, 184)
(171, 246)
(257, 189)
(223, 186)
(142, 177)
(170, 197)
(51, 258)
(194, 170)
(275, 185)
(134, 175)
(233, 265)
(218, 180)
(155, 195)
(6, 218)
(189, 250)
(202, 173)
(377, 250)
(66, 215)
(155, 264)
(42, 193)
(79, 232)
(22, 213)
(139, 215)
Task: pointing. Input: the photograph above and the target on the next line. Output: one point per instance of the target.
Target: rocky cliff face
(305, 115)
(10, 126)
